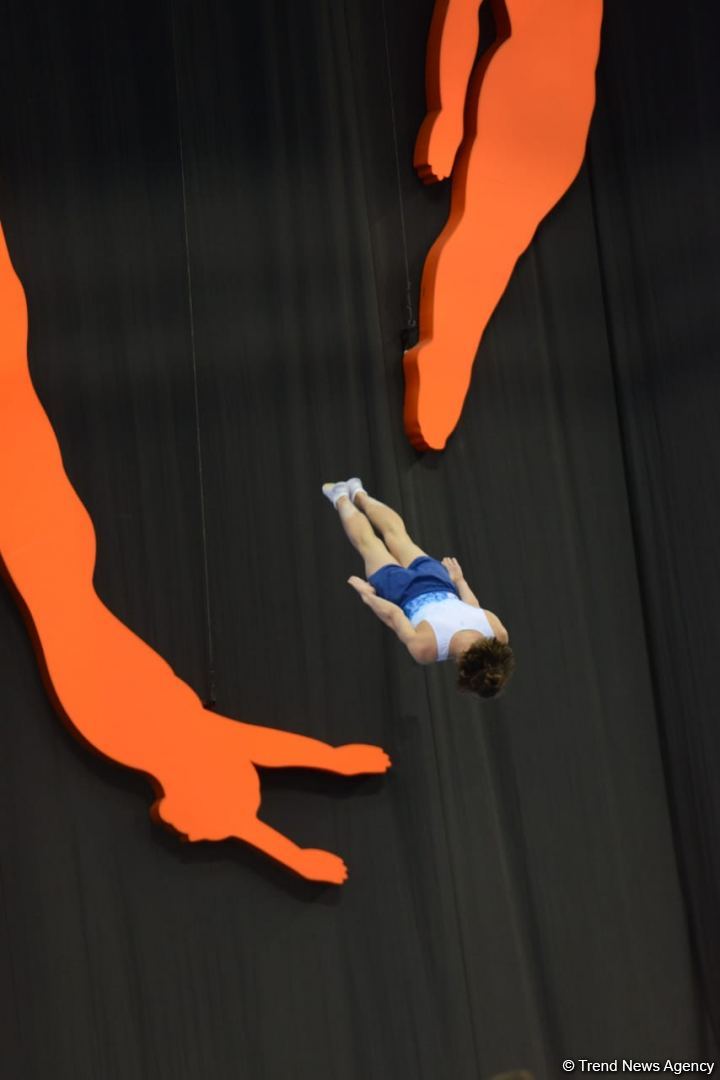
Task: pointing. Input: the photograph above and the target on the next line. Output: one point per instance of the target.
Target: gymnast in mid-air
(427, 603)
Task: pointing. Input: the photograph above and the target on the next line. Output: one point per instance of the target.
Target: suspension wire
(209, 644)
(409, 311)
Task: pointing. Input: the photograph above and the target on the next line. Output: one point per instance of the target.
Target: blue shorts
(401, 585)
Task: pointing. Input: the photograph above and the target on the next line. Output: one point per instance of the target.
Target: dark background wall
(207, 205)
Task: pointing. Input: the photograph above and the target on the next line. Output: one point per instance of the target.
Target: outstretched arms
(452, 47)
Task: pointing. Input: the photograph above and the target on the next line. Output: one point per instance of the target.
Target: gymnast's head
(485, 667)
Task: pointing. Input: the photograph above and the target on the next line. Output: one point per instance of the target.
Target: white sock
(333, 492)
(354, 487)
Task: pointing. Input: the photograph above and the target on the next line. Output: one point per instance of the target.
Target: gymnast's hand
(437, 144)
(454, 569)
(363, 588)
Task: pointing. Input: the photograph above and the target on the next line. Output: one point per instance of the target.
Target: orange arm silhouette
(452, 45)
(112, 689)
(529, 104)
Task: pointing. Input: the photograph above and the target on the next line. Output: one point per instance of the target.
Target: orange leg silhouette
(114, 691)
(527, 113)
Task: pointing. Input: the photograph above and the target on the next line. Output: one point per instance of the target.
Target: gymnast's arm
(395, 618)
(466, 594)
(452, 48)
(457, 577)
(498, 629)
(469, 597)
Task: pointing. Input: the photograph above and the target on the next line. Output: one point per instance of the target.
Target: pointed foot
(318, 865)
(356, 758)
(435, 390)
(334, 490)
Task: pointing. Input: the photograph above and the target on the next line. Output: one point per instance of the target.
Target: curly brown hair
(485, 667)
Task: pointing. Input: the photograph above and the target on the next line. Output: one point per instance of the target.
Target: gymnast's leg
(527, 118)
(312, 863)
(388, 522)
(358, 530)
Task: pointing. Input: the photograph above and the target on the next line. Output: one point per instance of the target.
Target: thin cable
(210, 701)
(408, 284)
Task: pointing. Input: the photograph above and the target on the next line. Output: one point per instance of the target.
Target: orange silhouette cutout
(521, 143)
(113, 689)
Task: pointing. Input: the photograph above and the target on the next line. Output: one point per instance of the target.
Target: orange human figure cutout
(114, 691)
(520, 143)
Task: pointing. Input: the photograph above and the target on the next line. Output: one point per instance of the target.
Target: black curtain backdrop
(210, 206)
